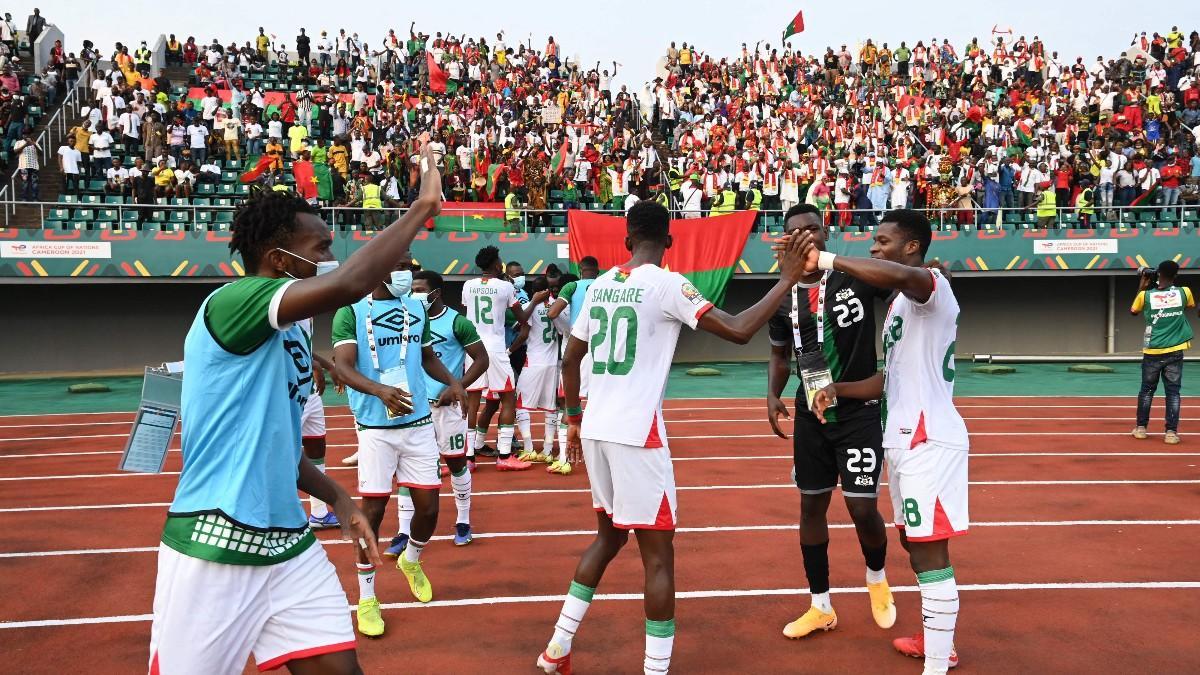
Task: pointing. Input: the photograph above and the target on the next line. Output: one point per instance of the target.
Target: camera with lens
(1150, 273)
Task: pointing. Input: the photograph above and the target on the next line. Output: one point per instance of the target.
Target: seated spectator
(164, 179)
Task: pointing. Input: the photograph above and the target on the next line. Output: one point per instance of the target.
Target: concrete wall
(45, 43)
(83, 327)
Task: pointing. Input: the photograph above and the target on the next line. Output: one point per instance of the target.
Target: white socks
(523, 426)
(939, 607)
(461, 484)
(405, 509)
(504, 440)
(660, 639)
(821, 602)
(366, 581)
(316, 507)
(562, 438)
(412, 553)
(551, 432)
(579, 598)
(874, 577)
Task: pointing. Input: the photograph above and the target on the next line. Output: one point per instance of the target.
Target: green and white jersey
(630, 319)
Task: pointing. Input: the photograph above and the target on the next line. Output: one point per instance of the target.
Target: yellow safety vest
(510, 207)
(371, 198)
(1045, 208)
(755, 200)
(728, 202)
(142, 56)
(662, 198)
(1085, 202)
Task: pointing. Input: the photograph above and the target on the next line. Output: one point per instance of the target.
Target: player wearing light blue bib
(382, 352)
(452, 338)
(239, 571)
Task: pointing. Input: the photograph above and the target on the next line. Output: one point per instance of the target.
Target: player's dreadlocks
(265, 220)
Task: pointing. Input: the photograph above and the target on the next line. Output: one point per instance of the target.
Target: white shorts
(498, 379)
(450, 428)
(538, 388)
(634, 486)
(388, 457)
(209, 617)
(312, 418)
(928, 485)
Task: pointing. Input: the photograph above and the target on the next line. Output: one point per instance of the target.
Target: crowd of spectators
(1005, 124)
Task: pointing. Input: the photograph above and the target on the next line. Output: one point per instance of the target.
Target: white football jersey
(486, 300)
(541, 349)
(630, 320)
(918, 345)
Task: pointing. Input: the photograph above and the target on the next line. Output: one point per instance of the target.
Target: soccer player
(515, 336)
(1168, 334)
(487, 299)
(924, 437)
(828, 323)
(630, 319)
(312, 432)
(383, 349)
(537, 388)
(239, 570)
(453, 338)
(570, 298)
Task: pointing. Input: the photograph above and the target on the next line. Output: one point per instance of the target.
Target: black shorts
(851, 449)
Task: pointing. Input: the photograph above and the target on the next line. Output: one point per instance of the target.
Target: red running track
(1075, 525)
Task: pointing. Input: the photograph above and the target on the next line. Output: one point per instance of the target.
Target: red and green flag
(437, 74)
(494, 172)
(256, 166)
(558, 163)
(1024, 132)
(705, 250)
(469, 217)
(794, 26)
(324, 182)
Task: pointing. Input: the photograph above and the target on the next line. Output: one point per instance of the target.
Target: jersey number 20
(623, 318)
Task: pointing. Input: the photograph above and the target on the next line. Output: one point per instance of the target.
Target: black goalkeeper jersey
(849, 345)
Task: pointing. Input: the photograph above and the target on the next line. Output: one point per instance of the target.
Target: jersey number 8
(623, 314)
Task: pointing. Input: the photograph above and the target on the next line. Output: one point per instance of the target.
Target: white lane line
(681, 530)
(533, 491)
(730, 458)
(683, 595)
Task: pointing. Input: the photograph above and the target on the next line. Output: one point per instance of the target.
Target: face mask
(519, 282)
(323, 267)
(425, 299)
(401, 283)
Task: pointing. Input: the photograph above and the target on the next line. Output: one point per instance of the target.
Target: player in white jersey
(487, 299)
(312, 432)
(630, 321)
(537, 388)
(924, 437)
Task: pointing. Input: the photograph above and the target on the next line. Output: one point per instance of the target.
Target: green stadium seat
(158, 216)
(58, 215)
(68, 199)
(95, 186)
(114, 199)
(203, 216)
(180, 216)
(83, 216)
(107, 215)
(222, 201)
(229, 176)
(225, 189)
(223, 217)
(201, 201)
(179, 201)
(205, 189)
(129, 218)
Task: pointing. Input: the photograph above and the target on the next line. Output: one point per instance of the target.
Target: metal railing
(60, 215)
(52, 134)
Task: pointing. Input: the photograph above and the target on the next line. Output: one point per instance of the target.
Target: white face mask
(519, 282)
(323, 267)
(400, 284)
(424, 299)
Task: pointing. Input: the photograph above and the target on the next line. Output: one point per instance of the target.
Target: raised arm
(741, 328)
(915, 282)
(364, 269)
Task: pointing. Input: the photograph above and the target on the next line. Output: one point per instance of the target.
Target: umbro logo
(395, 319)
(864, 481)
(435, 339)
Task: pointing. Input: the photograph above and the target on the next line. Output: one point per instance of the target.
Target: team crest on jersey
(396, 319)
(864, 481)
(843, 294)
(621, 275)
(691, 293)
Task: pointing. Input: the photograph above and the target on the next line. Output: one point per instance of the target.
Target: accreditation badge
(395, 377)
(814, 375)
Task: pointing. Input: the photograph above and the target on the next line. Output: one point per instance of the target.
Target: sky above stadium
(635, 33)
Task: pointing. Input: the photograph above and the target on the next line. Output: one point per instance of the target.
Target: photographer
(1168, 334)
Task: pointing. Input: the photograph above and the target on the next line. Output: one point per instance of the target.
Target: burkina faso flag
(469, 217)
(705, 250)
(794, 26)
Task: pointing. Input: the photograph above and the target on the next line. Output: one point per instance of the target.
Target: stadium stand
(999, 133)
